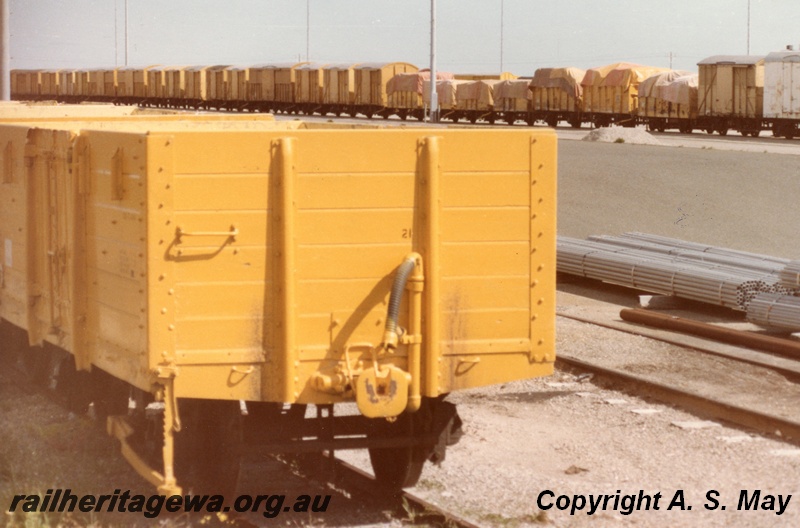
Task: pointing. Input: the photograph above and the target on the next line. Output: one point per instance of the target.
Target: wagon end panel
(111, 254)
(13, 226)
(497, 263)
(278, 252)
(480, 210)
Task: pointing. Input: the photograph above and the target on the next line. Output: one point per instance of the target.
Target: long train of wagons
(748, 94)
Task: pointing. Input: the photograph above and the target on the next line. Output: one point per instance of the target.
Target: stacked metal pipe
(669, 266)
(790, 275)
(773, 310)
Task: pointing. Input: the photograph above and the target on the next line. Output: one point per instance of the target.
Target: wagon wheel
(397, 467)
(552, 122)
(755, 133)
(473, 119)
(723, 131)
(709, 131)
(575, 123)
(32, 363)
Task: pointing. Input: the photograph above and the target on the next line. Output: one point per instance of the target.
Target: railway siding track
(704, 376)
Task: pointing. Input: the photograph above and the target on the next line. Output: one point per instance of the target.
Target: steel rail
(695, 403)
(351, 476)
(783, 366)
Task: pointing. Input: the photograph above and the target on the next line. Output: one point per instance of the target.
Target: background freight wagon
(731, 93)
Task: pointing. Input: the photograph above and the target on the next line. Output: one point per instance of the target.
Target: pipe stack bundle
(790, 275)
(773, 310)
(669, 266)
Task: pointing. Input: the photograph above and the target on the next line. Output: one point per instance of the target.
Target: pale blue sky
(536, 33)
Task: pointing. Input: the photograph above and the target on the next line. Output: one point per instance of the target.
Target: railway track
(696, 401)
(410, 507)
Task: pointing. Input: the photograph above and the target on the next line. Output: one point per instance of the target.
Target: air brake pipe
(409, 273)
(735, 337)
(390, 331)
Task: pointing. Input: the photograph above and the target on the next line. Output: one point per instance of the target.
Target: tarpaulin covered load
(413, 82)
(557, 89)
(445, 92)
(512, 96)
(404, 90)
(505, 76)
(619, 74)
(653, 86)
(682, 90)
(669, 94)
(476, 95)
(566, 79)
(612, 89)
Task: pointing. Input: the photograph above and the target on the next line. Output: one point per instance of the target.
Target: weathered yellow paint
(322, 219)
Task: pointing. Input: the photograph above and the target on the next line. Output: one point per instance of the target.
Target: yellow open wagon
(210, 263)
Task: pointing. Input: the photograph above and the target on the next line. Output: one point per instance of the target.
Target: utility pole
(308, 27)
(748, 27)
(670, 60)
(501, 35)
(434, 112)
(5, 53)
(126, 33)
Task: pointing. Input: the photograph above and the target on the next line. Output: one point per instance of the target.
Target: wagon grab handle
(232, 233)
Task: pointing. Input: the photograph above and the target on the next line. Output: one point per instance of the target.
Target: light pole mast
(308, 27)
(748, 27)
(5, 53)
(502, 23)
(434, 113)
